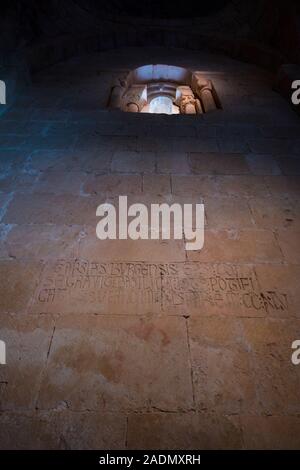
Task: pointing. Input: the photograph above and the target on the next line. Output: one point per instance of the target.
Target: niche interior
(164, 89)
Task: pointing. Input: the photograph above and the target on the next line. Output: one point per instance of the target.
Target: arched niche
(190, 91)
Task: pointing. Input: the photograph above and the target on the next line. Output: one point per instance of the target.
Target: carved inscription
(79, 284)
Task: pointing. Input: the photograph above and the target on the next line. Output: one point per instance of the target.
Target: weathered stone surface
(218, 164)
(263, 164)
(40, 241)
(233, 145)
(241, 186)
(284, 278)
(133, 162)
(18, 281)
(172, 162)
(276, 378)
(157, 184)
(194, 185)
(43, 208)
(113, 184)
(221, 364)
(62, 430)
(11, 160)
(277, 213)
(57, 160)
(288, 241)
(271, 432)
(11, 142)
(238, 246)
(183, 144)
(283, 186)
(5, 200)
(270, 146)
(183, 431)
(27, 344)
(97, 143)
(128, 250)
(114, 363)
(289, 166)
(42, 142)
(16, 181)
(60, 182)
(238, 130)
(227, 213)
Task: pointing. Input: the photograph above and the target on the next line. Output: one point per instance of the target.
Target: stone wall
(141, 344)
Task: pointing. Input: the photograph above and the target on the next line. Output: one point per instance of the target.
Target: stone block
(127, 364)
(271, 432)
(157, 184)
(275, 213)
(233, 145)
(270, 146)
(27, 341)
(283, 186)
(113, 184)
(41, 242)
(241, 186)
(188, 186)
(289, 166)
(183, 431)
(222, 374)
(218, 164)
(238, 246)
(282, 280)
(18, 283)
(43, 208)
(227, 213)
(172, 162)
(60, 182)
(263, 164)
(288, 241)
(133, 162)
(62, 430)
(276, 379)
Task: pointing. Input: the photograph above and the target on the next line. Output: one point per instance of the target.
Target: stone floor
(142, 344)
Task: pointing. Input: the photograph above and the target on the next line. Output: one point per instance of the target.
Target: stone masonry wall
(123, 344)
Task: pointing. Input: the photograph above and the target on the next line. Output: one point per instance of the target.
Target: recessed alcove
(164, 89)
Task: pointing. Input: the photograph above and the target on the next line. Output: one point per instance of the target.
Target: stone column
(207, 99)
(199, 107)
(204, 89)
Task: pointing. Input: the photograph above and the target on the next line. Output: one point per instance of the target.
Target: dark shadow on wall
(35, 35)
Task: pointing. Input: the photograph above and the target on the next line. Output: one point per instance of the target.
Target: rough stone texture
(218, 164)
(271, 432)
(186, 431)
(238, 246)
(28, 339)
(18, 280)
(63, 430)
(142, 344)
(97, 363)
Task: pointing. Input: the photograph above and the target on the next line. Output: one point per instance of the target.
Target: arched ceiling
(243, 29)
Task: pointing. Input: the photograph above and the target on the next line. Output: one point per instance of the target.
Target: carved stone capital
(185, 99)
(188, 105)
(135, 98)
